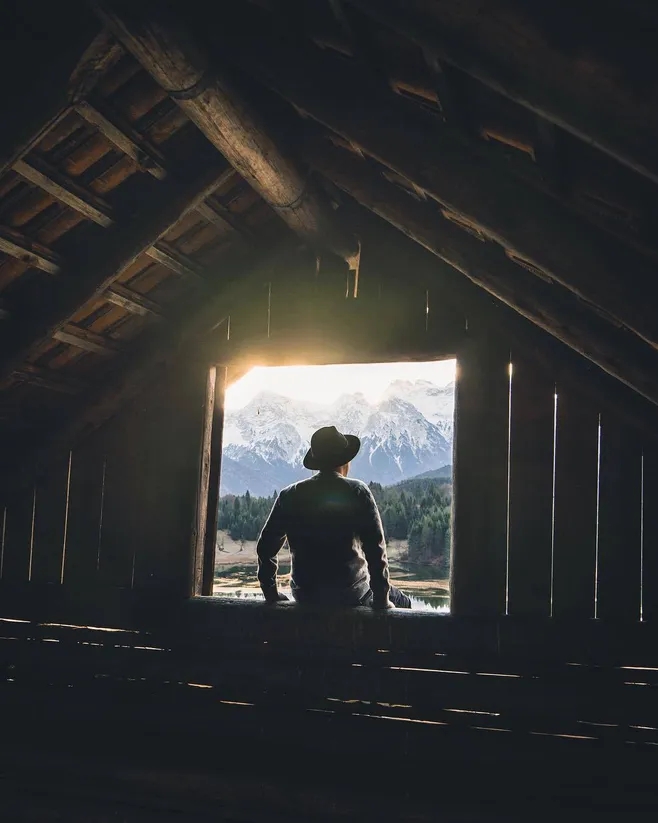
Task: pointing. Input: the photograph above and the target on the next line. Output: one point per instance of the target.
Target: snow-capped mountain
(409, 431)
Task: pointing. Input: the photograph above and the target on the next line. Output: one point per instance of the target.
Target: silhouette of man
(334, 531)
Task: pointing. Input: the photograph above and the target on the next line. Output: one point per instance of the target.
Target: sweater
(336, 539)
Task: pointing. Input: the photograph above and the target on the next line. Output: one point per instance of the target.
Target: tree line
(414, 510)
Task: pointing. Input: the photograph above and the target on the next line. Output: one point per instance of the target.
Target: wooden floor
(237, 712)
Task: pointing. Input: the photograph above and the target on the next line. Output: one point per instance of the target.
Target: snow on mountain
(409, 431)
(436, 403)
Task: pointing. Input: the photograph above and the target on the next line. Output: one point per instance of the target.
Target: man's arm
(270, 543)
(373, 543)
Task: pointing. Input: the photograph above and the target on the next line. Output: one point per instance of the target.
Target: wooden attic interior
(187, 190)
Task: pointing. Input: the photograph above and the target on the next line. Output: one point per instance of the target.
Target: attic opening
(403, 414)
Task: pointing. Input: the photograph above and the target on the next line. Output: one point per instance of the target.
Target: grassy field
(235, 572)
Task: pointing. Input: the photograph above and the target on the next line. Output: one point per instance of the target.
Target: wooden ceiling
(149, 159)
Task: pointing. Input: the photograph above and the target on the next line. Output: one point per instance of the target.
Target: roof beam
(38, 99)
(132, 301)
(181, 339)
(599, 107)
(215, 212)
(464, 178)
(87, 340)
(174, 260)
(115, 250)
(215, 104)
(16, 244)
(615, 351)
(122, 135)
(39, 172)
(47, 379)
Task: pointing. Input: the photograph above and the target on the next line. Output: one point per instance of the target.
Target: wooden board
(18, 536)
(480, 479)
(85, 516)
(650, 534)
(166, 518)
(531, 489)
(216, 447)
(249, 318)
(576, 481)
(51, 521)
(619, 550)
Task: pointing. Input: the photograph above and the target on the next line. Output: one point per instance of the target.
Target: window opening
(402, 412)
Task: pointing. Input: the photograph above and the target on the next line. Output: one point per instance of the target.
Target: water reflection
(236, 564)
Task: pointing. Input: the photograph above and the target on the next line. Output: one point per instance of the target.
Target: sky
(323, 384)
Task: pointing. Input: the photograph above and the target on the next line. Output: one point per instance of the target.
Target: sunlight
(324, 384)
(402, 413)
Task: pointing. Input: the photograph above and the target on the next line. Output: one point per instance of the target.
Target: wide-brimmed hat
(330, 449)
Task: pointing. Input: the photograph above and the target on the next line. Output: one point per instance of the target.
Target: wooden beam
(216, 105)
(47, 379)
(98, 268)
(98, 58)
(36, 97)
(16, 244)
(87, 340)
(614, 350)
(67, 191)
(178, 340)
(174, 260)
(133, 301)
(215, 212)
(466, 180)
(600, 107)
(122, 135)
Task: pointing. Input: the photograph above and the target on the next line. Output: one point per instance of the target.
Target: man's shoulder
(358, 485)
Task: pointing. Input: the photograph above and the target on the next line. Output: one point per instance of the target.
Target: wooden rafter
(180, 339)
(87, 340)
(613, 350)
(96, 209)
(133, 301)
(39, 172)
(122, 135)
(561, 88)
(47, 379)
(215, 103)
(116, 249)
(527, 221)
(215, 212)
(47, 100)
(174, 260)
(16, 244)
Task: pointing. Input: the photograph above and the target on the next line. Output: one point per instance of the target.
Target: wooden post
(650, 533)
(51, 521)
(531, 488)
(620, 502)
(479, 532)
(214, 479)
(85, 518)
(574, 530)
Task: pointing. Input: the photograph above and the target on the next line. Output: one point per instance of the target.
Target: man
(325, 519)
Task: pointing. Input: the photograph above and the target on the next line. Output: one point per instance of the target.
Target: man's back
(336, 540)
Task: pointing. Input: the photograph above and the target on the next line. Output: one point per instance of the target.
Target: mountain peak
(407, 432)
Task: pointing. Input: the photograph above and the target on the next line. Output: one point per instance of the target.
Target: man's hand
(382, 604)
(276, 597)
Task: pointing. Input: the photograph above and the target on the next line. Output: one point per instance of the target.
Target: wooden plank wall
(577, 496)
(118, 510)
(554, 512)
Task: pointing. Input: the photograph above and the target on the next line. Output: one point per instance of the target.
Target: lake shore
(236, 563)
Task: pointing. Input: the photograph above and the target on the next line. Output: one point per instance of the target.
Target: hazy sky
(324, 384)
